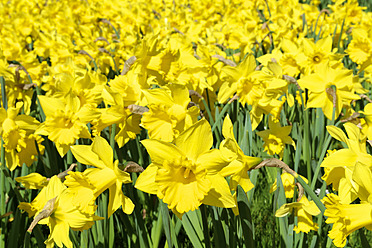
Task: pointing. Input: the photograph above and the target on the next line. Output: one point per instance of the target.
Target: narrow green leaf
(157, 229)
(190, 231)
(166, 222)
(219, 234)
(245, 218)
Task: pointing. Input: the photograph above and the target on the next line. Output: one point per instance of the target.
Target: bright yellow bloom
(317, 54)
(88, 185)
(242, 82)
(64, 214)
(340, 165)
(19, 140)
(33, 181)
(241, 163)
(304, 209)
(321, 93)
(276, 137)
(360, 47)
(261, 90)
(346, 218)
(65, 120)
(186, 174)
(118, 113)
(68, 78)
(367, 127)
(168, 114)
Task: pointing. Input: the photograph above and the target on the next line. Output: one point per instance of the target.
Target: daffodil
(346, 218)
(241, 163)
(276, 137)
(360, 47)
(341, 163)
(259, 89)
(68, 78)
(168, 114)
(367, 127)
(17, 132)
(86, 186)
(62, 214)
(304, 210)
(33, 181)
(65, 121)
(242, 81)
(317, 54)
(329, 89)
(186, 174)
(118, 113)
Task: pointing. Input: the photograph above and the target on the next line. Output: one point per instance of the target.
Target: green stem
(140, 152)
(41, 111)
(306, 144)
(112, 140)
(69, 158)
(322, 155)
(325, 146)
(211, 121)
(227, 106)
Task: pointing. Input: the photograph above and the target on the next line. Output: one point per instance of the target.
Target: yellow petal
(219, 195)
(338, 134)
(85, 155)
(227, 128)
(146, 180)
(160, 150)
(49, 105)
(287, 208)
(117, 199)
(104, 151)
(195, 140)
(33, 181)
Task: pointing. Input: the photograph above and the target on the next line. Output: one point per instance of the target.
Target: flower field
(183, 123)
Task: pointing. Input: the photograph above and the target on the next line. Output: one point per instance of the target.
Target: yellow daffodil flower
(241, 163)
(367, 127)
(118, 113)
(65, 121)
(304, 209)
(86, 186)
(321, 93)
(168, 114)
(346, 218)
(341, 164)
(276, 137)
(62, 216)
(186, 174)
(288, 182)
(33, 181)
(19, 138)
(241, 81)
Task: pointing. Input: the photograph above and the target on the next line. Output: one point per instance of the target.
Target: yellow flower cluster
(349, 172)
(163, 66)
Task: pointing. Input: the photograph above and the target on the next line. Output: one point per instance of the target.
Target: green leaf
(245, 218)
(165, 216)
(363, 239)
(190, 231)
